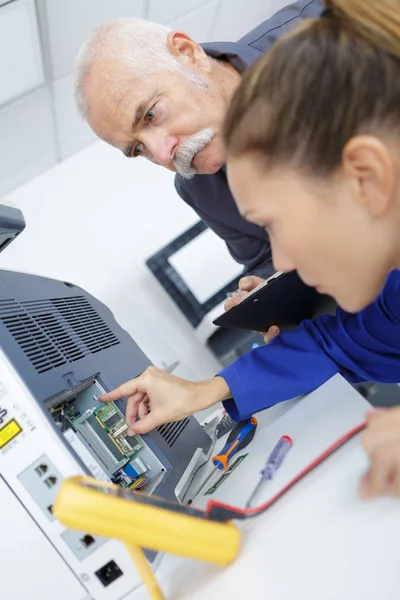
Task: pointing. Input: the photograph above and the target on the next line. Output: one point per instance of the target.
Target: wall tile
(199, 23)
(27, 140)
(164, 11)
(72, 131)
(70, 22)
(21, 68)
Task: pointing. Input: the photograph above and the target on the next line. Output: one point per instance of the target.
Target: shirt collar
(239, 55)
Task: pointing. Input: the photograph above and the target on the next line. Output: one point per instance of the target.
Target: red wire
(251, 512)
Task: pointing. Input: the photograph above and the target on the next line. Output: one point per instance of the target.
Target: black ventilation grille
(170, 432)
(56, 331)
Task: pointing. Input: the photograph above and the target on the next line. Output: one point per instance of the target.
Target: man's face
(167, 119)
(316, 228)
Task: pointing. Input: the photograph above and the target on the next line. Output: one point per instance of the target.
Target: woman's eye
(151, 114)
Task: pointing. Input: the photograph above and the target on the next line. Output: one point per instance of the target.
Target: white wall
(43, 127)
(93, 220)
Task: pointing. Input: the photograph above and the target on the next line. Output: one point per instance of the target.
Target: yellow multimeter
(105, 509)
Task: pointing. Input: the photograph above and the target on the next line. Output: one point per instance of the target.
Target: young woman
(313, 141)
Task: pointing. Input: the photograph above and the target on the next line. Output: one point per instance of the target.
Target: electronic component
(138, 483)
(99, 441)
(134, 468)
(133, 442)
(120, 427)
(108, 414)
(100, 429)
(113, 421)
(138, 465)
(103, 428)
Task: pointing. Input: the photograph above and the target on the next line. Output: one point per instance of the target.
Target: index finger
(125, 389)
(249, 282)
(234, 301)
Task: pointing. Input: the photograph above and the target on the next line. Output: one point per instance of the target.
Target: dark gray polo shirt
(209, 195)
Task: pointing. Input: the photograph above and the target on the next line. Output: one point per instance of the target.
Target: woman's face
(321, 228)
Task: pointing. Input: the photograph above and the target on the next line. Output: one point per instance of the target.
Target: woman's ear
(368, 165)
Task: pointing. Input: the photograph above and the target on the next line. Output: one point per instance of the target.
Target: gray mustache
(187, 151)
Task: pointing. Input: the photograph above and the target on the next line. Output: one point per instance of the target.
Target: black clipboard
(282, 300)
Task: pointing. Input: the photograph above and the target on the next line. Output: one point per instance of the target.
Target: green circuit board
(113, 421)
(110, 425)
(103, 427)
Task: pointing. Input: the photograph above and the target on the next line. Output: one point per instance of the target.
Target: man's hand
(157, 397)
(381, 440)
(246, 285)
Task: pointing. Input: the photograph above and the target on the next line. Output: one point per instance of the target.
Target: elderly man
(156, 93)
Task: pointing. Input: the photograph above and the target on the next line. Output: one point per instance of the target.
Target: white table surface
(320, 541)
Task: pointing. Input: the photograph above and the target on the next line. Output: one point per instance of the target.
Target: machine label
(9, 432)
(13, 418)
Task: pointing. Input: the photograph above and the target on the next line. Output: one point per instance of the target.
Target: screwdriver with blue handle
(273, 463)
(238, 439)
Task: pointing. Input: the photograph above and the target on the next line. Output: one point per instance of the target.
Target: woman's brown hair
(322, 83)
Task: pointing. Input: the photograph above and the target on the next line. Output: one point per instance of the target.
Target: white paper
(205, 265)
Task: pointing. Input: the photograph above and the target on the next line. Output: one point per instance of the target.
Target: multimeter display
(155, 501)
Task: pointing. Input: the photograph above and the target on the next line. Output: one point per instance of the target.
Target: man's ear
(186, 50)
(368, 164)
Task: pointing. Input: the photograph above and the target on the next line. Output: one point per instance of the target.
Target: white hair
(138, 45)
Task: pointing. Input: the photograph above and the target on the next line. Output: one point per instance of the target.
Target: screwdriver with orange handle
(238, 439)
